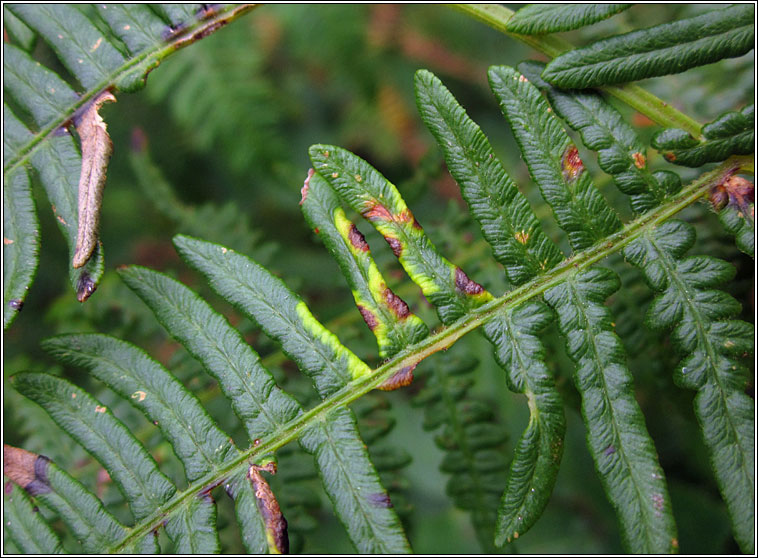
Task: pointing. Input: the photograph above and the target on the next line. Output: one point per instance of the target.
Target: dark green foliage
(472, 439)
(710, 342)
(534, 468)
(505, 217)
(348, 476)
(742, 225)
(656, 51)
(25, 525)
(21, 242)
(624, 454)
(94, 427)
(161, 444)
(553, 160)
(534, 19)
(732, 133)
(620, 151)
(98, 60)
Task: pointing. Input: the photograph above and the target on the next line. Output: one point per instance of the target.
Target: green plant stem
(143, 62)
(443, 339)
(642, 101)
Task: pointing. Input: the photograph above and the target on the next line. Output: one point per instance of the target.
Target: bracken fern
(111, 48)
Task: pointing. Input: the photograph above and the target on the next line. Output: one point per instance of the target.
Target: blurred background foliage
(216, 146)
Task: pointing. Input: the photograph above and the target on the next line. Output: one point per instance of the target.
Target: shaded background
(216, 146)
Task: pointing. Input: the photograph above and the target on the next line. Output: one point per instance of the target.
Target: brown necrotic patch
(26, 469)
(401, 378)
(368, 317)
(85, 287)
(395, 244)
(571, 163)
(357, 239)
(374, 211)
(466, 285)
(276, 524)
(736, 192)
(396, 304)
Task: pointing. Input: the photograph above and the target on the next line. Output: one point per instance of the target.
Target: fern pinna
(546, 286)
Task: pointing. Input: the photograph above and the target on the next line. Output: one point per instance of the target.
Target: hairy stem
(644, 102)
(443, 339)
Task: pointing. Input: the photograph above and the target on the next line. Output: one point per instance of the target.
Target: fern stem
(441, 340)
(143, 62)
(642, 101)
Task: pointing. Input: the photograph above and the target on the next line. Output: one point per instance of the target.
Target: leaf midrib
(444, 339)
(672, 274)
(618, 431)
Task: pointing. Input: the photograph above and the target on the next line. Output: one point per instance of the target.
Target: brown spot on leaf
(401, 378)
(85, 287)
(571, 164)
(306, 186)
(669, 156)
(405, 216)
(357, 239)
(374, 211)
(379, 500)
(639, 160)
(395, 244)
(368, 317)
(276, 524)
(96, 152)
(736, 192)
(396, 304)
(26, 469)
(522, 237)
(466, 285)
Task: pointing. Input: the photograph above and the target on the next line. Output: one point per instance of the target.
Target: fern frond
(364, 189)
(115, 54)
(732, 133)
(520, 244)
(663, 49)
(220, 348)
(23, 523)
(535, 19)
(20, 241)
(94, 427)
(711, 343)
(737, 195)
(195, 438)
(553, 160)
(623, 451)
(534, 468)
(470, 436)
(82, 512)
(620, 151)
(385, 313)
(507, 222)
(349, 477)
